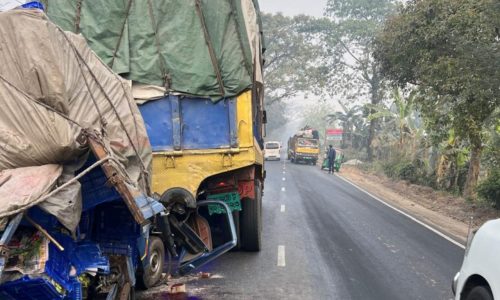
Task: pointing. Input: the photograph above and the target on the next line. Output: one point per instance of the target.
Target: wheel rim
(154, 262)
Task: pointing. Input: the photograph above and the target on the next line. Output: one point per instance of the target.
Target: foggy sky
(294, 7)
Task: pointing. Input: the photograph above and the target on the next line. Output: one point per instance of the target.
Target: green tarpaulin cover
(208, 48)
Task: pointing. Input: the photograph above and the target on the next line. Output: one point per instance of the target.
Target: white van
(272, 150)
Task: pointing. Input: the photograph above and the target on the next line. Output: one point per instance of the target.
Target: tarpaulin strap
(121, 33)
(78, 15)
(40, 103)
(208, 41)
(167, 79)
(106, 96)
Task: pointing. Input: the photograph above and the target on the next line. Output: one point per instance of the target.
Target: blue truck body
(182, 123)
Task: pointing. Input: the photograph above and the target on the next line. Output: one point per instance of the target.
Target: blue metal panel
(205, 124)
(157, 116)
(190, 123)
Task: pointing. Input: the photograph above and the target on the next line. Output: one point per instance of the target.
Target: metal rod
(44, 232)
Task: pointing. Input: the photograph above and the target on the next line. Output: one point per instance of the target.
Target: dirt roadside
(444, 212)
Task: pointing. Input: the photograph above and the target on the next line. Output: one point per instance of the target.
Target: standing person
(331, 159)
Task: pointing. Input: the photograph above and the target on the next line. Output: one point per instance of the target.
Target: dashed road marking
(282, 208)
(283, 189)
(281, 256)
(284, 178)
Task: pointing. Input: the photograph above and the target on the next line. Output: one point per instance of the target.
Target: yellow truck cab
(303, 147)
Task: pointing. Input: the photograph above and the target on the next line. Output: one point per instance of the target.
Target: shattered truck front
(75, 160)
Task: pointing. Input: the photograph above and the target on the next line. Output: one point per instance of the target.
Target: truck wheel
(479, 293)
(152, 275)
(251, 221)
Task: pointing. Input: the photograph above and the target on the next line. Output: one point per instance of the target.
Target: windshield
(307, 143)
(272, 146)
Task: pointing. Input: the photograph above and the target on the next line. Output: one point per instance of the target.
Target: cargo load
(197, 48)
(75, 161)
(53, 90)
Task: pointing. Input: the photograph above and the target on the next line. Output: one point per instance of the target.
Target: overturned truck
(77, 215)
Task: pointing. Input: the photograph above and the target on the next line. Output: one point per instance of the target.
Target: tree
(347, 37)
(351, 120)
(289, 63)
(450, 50)
(400, 114)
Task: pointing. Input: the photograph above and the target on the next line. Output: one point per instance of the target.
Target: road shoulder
(421, 203)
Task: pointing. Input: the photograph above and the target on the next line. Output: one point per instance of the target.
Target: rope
(122, 124)
(208, 41)
(167, 80)
(78, 15)
(40, 103)
(129, 5)
(53, 192)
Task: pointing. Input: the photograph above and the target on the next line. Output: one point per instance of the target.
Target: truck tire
(479, 293)
(251, 221)
(236, 218)
(152, 275)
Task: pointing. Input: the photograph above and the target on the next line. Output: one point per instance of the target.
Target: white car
(479, 277)
(272, 150)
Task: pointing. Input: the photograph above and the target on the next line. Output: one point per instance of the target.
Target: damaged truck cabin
(196, 72)
(75, 161)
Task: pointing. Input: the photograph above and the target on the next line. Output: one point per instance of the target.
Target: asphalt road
(325, 239)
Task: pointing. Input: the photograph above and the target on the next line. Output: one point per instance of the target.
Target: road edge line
(441, 234)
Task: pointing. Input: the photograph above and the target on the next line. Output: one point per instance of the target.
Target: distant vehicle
(272, 150)
(479, 277)
(304, 146)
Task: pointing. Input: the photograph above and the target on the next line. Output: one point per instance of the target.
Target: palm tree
(400, 115)
(350, 119)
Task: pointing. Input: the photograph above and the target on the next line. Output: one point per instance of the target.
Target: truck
(194, 70)
(196, 73)
(304, 146)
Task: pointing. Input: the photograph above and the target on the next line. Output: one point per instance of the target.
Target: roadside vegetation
(417, 84)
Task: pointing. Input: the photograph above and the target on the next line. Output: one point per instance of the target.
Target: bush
(408, 171)
(489, 189)
(412, 171)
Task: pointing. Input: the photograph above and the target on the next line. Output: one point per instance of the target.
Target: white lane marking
(282, 208)
(283, 189)
(449, 239)
(284, 178)
(281, 256)
(284, 172)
